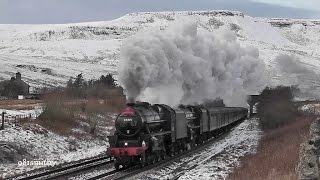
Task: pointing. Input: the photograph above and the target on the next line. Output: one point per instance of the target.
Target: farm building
(14, 87)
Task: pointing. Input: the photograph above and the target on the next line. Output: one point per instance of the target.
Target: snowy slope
(33, 142)
(50, 54)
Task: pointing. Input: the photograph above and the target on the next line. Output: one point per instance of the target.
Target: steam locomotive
(148, 133)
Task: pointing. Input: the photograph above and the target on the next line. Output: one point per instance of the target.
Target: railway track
(126, 173)
(69, 169)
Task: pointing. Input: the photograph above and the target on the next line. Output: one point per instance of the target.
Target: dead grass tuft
(103, 106)
(26, 104)
(58, 115)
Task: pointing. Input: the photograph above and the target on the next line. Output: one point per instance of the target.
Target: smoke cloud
(291, 64)
(296, 73)
(186, 65)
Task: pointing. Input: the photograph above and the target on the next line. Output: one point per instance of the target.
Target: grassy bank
(277, 154)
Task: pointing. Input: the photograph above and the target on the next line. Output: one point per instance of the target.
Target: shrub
(275, 107)
(58, 115)
(66, 106)
(105, 100)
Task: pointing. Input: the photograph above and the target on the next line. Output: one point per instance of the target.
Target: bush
(58, 115)
(66, 106)
(109, 100)
(275, 107)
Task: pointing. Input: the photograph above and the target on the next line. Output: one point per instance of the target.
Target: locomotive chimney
(130, 102)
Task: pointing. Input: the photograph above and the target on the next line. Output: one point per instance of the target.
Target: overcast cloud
(68, 11)
(305, 4)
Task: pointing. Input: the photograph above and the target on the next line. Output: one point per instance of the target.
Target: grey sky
(306, 4)
(67, 11)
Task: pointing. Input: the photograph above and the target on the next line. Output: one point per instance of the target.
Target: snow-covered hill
(50, 54)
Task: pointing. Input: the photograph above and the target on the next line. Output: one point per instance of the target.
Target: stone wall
(308, 167)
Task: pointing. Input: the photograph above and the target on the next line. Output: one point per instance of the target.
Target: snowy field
(311, 108)
(35, 143)
(50, 54)
(10, 115)
(214, 162)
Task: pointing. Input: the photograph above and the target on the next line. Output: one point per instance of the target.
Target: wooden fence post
(2, 124)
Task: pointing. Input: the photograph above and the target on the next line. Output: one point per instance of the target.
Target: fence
(8, 119)
(2, 120)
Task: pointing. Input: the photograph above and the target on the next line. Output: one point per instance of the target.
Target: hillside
(50, 54)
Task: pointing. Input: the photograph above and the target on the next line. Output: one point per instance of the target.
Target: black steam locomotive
(148, 133)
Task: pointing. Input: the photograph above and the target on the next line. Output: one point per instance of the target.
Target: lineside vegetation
(81, 100)
(284, 129)
(276, 107)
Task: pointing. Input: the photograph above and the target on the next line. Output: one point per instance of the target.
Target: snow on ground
(34, 143)
(92, 174)
(215, 162)
(311, 108)
(11, 114)
(50, 54)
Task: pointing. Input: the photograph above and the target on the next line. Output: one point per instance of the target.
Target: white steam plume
(295, 72)
(185, 65)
